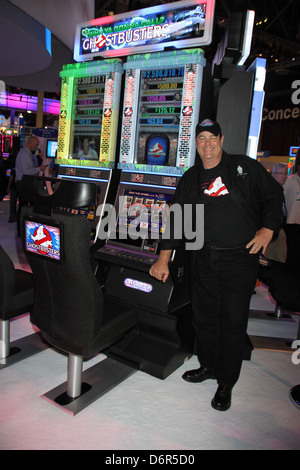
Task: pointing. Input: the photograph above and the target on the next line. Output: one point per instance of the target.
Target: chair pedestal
(96, 381)
(4, 338)
(11, 353)
(75, 364)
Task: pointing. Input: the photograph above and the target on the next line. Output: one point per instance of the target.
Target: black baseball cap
(209, 126)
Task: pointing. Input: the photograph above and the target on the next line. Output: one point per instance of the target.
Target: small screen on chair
(44, 239)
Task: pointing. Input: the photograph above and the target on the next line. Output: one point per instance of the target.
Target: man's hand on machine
(160, 269)
(260, 241)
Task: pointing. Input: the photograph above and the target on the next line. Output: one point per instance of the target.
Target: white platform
(145, 413)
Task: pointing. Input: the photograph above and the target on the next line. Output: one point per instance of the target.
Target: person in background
(242, 209)
(25, 166)
(280, 172)
(12, 191)
(292, 227)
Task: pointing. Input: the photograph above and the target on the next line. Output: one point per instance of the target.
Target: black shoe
(198, 375)
(222, 398)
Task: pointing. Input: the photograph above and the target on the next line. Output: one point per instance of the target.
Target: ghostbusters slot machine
(88, 125)
(161, 105)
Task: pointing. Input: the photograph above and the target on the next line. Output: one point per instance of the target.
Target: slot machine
(160, 113)
(88, 125)
(163, 64)
(161, 106)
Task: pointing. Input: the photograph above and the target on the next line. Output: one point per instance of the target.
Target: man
(25, 166)
(239, 222)
(279, 172)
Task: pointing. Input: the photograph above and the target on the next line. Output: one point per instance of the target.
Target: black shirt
(224, 225)
(254, 200)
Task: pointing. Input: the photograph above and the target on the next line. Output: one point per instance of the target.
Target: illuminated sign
(183, 24)
(139, 285)
(293, 151)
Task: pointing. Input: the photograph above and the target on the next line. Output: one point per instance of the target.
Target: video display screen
(44, 240)
(87, 117)
(159, 116)
(51, 148)
(142, 215)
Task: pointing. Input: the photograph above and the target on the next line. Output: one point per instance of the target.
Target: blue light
(48, 40)
(148, 185)
(98, 180)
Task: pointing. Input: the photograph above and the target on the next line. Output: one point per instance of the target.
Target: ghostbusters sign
(187, 23)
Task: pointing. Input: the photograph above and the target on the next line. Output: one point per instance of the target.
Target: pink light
(28, 103)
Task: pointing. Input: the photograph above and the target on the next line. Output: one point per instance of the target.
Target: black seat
(284, 287)
(16, 298)
(69, 307)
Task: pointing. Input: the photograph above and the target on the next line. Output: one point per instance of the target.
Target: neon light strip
(83, 178)
(152, 173)
(86, 167)
(148, 185)
(247, 37)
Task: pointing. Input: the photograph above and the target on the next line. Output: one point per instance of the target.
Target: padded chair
(284, 287)
(295, 395)
(70, 311)
(16, 298)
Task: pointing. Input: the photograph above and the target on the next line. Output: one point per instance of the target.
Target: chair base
(295, 396)
(272, 343)
(96, 381)
(23, 348)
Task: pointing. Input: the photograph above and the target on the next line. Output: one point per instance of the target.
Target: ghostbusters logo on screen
(42, 239)
(157, 150)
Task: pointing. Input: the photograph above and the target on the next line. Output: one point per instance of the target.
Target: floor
(146, 413)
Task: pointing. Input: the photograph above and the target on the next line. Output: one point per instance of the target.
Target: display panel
(180, 24)
(87, 117)
(159, 116)
(141, 216)
(51, 148)
(43, 239)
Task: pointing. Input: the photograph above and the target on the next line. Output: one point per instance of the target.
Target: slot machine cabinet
(163, 338)
(88, 127)
(160, 112)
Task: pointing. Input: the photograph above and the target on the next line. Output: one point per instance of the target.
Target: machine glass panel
(87, 117)
(159, 116)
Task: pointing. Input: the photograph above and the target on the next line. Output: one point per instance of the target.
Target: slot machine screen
(87, 117)
(44, 240)
(159, 116)
(141, 216)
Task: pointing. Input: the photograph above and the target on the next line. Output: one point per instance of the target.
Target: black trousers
(222, 287)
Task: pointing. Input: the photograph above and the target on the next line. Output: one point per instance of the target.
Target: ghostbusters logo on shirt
(216, 188)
